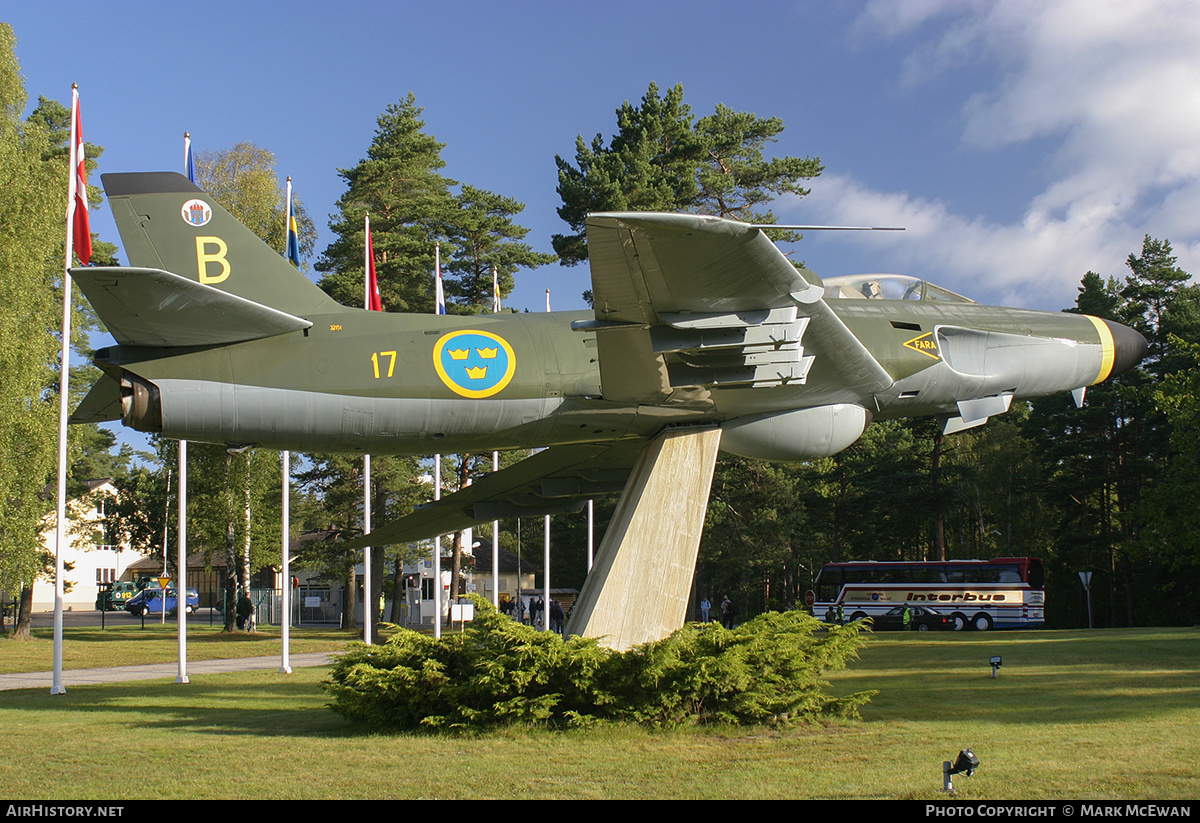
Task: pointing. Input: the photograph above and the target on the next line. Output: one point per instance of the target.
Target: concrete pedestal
(638, 588)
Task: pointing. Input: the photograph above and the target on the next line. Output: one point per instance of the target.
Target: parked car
(116, 598)
(151, 601)
(923, 619)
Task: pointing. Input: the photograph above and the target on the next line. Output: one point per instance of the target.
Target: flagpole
(189, 168)
(496, 468)
(60, 530)
(438, 308)
(437, 552)
(285, 467)
(368, 255)
(591, 509)
(285, 666)
(78, 231)
(496, 544)
(546, 579)
(181, 571)
(546, 549)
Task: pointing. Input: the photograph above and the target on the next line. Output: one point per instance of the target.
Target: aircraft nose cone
(1129, 347)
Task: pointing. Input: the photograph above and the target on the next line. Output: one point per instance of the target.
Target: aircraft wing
(555, 480)
(686, 303)
(152, 307)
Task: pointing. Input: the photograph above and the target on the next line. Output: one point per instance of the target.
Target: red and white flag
(373, 301)
(80, 227)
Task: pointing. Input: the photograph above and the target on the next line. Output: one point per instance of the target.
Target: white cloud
(1036, 263)
(1112, 87)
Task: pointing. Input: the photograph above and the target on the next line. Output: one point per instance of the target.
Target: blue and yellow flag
(293, 237)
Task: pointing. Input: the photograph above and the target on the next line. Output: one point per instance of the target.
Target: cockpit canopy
(889, 287)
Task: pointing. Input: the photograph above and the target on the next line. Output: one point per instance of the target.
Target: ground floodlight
(995, 661)
(965, 763)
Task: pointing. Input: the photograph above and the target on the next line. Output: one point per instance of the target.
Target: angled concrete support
(638, 588)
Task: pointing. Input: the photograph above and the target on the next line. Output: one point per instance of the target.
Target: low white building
(87, 559)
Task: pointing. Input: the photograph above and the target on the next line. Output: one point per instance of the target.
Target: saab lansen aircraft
(701, 328)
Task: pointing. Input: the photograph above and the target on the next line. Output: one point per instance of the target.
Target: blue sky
(1021, 143)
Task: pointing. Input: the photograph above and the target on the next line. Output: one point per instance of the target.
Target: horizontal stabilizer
(103, 403)
(152, 307)
(555, 480)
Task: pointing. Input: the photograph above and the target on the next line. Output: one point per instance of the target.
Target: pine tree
(483, 236)
(662, 159)
(400, 185)
(736, 180)
(1172, 520)
(413, 210)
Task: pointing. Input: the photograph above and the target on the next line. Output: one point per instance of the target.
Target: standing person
(705, 608)
(906, 616)
(727, 612)
(841, 615)
(557, 618)
(244, 608)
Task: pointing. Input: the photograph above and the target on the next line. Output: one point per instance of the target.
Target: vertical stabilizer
(166, 222)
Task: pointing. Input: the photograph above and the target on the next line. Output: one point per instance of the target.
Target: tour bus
(1005, 593)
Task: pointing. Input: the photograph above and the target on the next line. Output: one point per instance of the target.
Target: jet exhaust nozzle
(141, 404)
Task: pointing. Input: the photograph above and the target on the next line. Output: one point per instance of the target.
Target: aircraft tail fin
(167, 223)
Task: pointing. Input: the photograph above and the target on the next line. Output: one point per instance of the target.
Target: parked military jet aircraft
(698, 322)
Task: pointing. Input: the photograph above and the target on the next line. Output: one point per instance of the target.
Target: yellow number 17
(391, 355)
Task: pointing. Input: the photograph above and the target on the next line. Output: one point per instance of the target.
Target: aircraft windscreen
(889, 287)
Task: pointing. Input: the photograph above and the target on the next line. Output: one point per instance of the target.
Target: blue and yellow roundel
(474, 363)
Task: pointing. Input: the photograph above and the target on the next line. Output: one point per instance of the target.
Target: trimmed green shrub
(499, 672)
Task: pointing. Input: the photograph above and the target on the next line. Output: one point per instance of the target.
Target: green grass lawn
(1083, 715)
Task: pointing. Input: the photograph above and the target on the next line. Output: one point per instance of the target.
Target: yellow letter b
(203, 258)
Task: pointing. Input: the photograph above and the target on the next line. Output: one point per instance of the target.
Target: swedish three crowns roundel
(474, 363)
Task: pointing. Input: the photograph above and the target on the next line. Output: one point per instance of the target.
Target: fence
(310, 604)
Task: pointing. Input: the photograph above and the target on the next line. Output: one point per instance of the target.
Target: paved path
(157, 671)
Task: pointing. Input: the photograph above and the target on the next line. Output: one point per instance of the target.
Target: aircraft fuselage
(698, 321)
(389, 383)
